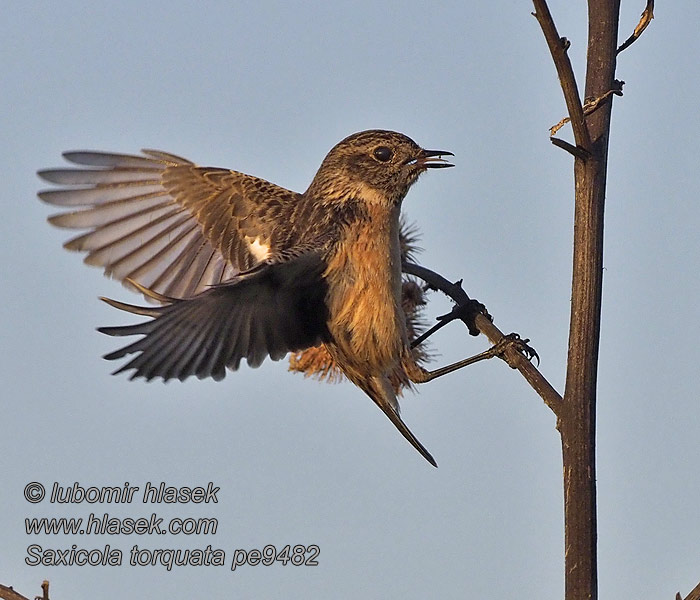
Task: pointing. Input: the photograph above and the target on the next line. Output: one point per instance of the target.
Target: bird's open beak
(432, 159)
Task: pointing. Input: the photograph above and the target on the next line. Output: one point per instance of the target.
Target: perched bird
(243, 268)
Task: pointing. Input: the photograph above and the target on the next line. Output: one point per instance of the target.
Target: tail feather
(380, 390)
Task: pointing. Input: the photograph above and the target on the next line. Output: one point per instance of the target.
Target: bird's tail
(380, 390)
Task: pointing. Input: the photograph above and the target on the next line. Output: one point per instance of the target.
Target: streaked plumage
(243, 268)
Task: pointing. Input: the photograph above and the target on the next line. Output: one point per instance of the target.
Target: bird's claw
(467, 312)
(521, 345)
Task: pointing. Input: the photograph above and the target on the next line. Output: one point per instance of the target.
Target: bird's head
(377, 166)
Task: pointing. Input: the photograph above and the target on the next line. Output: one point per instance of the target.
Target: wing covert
(163, 222)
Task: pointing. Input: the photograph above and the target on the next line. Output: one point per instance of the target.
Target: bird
(235, 267)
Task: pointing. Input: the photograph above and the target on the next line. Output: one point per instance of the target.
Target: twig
(8, 593)
(577, 151)
(558, 48)
(694, 594)
(554, 128)
(644, 21)
(588, 108)
(594, 104)
(515, 359)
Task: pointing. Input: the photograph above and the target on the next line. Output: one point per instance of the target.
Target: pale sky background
(268, 88)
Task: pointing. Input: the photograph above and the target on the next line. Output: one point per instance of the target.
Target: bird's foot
(467, 312)
(513, 340)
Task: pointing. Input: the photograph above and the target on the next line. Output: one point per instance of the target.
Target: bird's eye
(383, 154)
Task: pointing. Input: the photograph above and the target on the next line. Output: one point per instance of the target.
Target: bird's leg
(465, 309)
(418, 374)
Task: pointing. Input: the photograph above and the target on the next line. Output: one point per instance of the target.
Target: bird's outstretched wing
(163, 222)
(273, 309)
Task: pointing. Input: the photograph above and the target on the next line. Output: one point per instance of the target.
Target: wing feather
(163, 222)
(276, 309)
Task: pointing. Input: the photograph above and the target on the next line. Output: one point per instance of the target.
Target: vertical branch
(578, 409)
(578, 421)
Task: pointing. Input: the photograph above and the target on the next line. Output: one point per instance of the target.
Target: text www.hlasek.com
(105, 524)
(138, 555)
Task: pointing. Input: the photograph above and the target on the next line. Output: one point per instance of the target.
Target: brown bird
(243, 268)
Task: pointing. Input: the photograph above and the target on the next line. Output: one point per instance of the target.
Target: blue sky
(268, 88)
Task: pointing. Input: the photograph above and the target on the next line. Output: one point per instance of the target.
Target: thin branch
(644, 21)
(576, 151)
(44, 591)
(593, 105)
(515, 359)
(8, 592)
(694, 594)
(554, 128)
(558, 48)
(588, 108)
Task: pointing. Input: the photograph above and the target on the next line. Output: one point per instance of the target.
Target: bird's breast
(366, 320)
